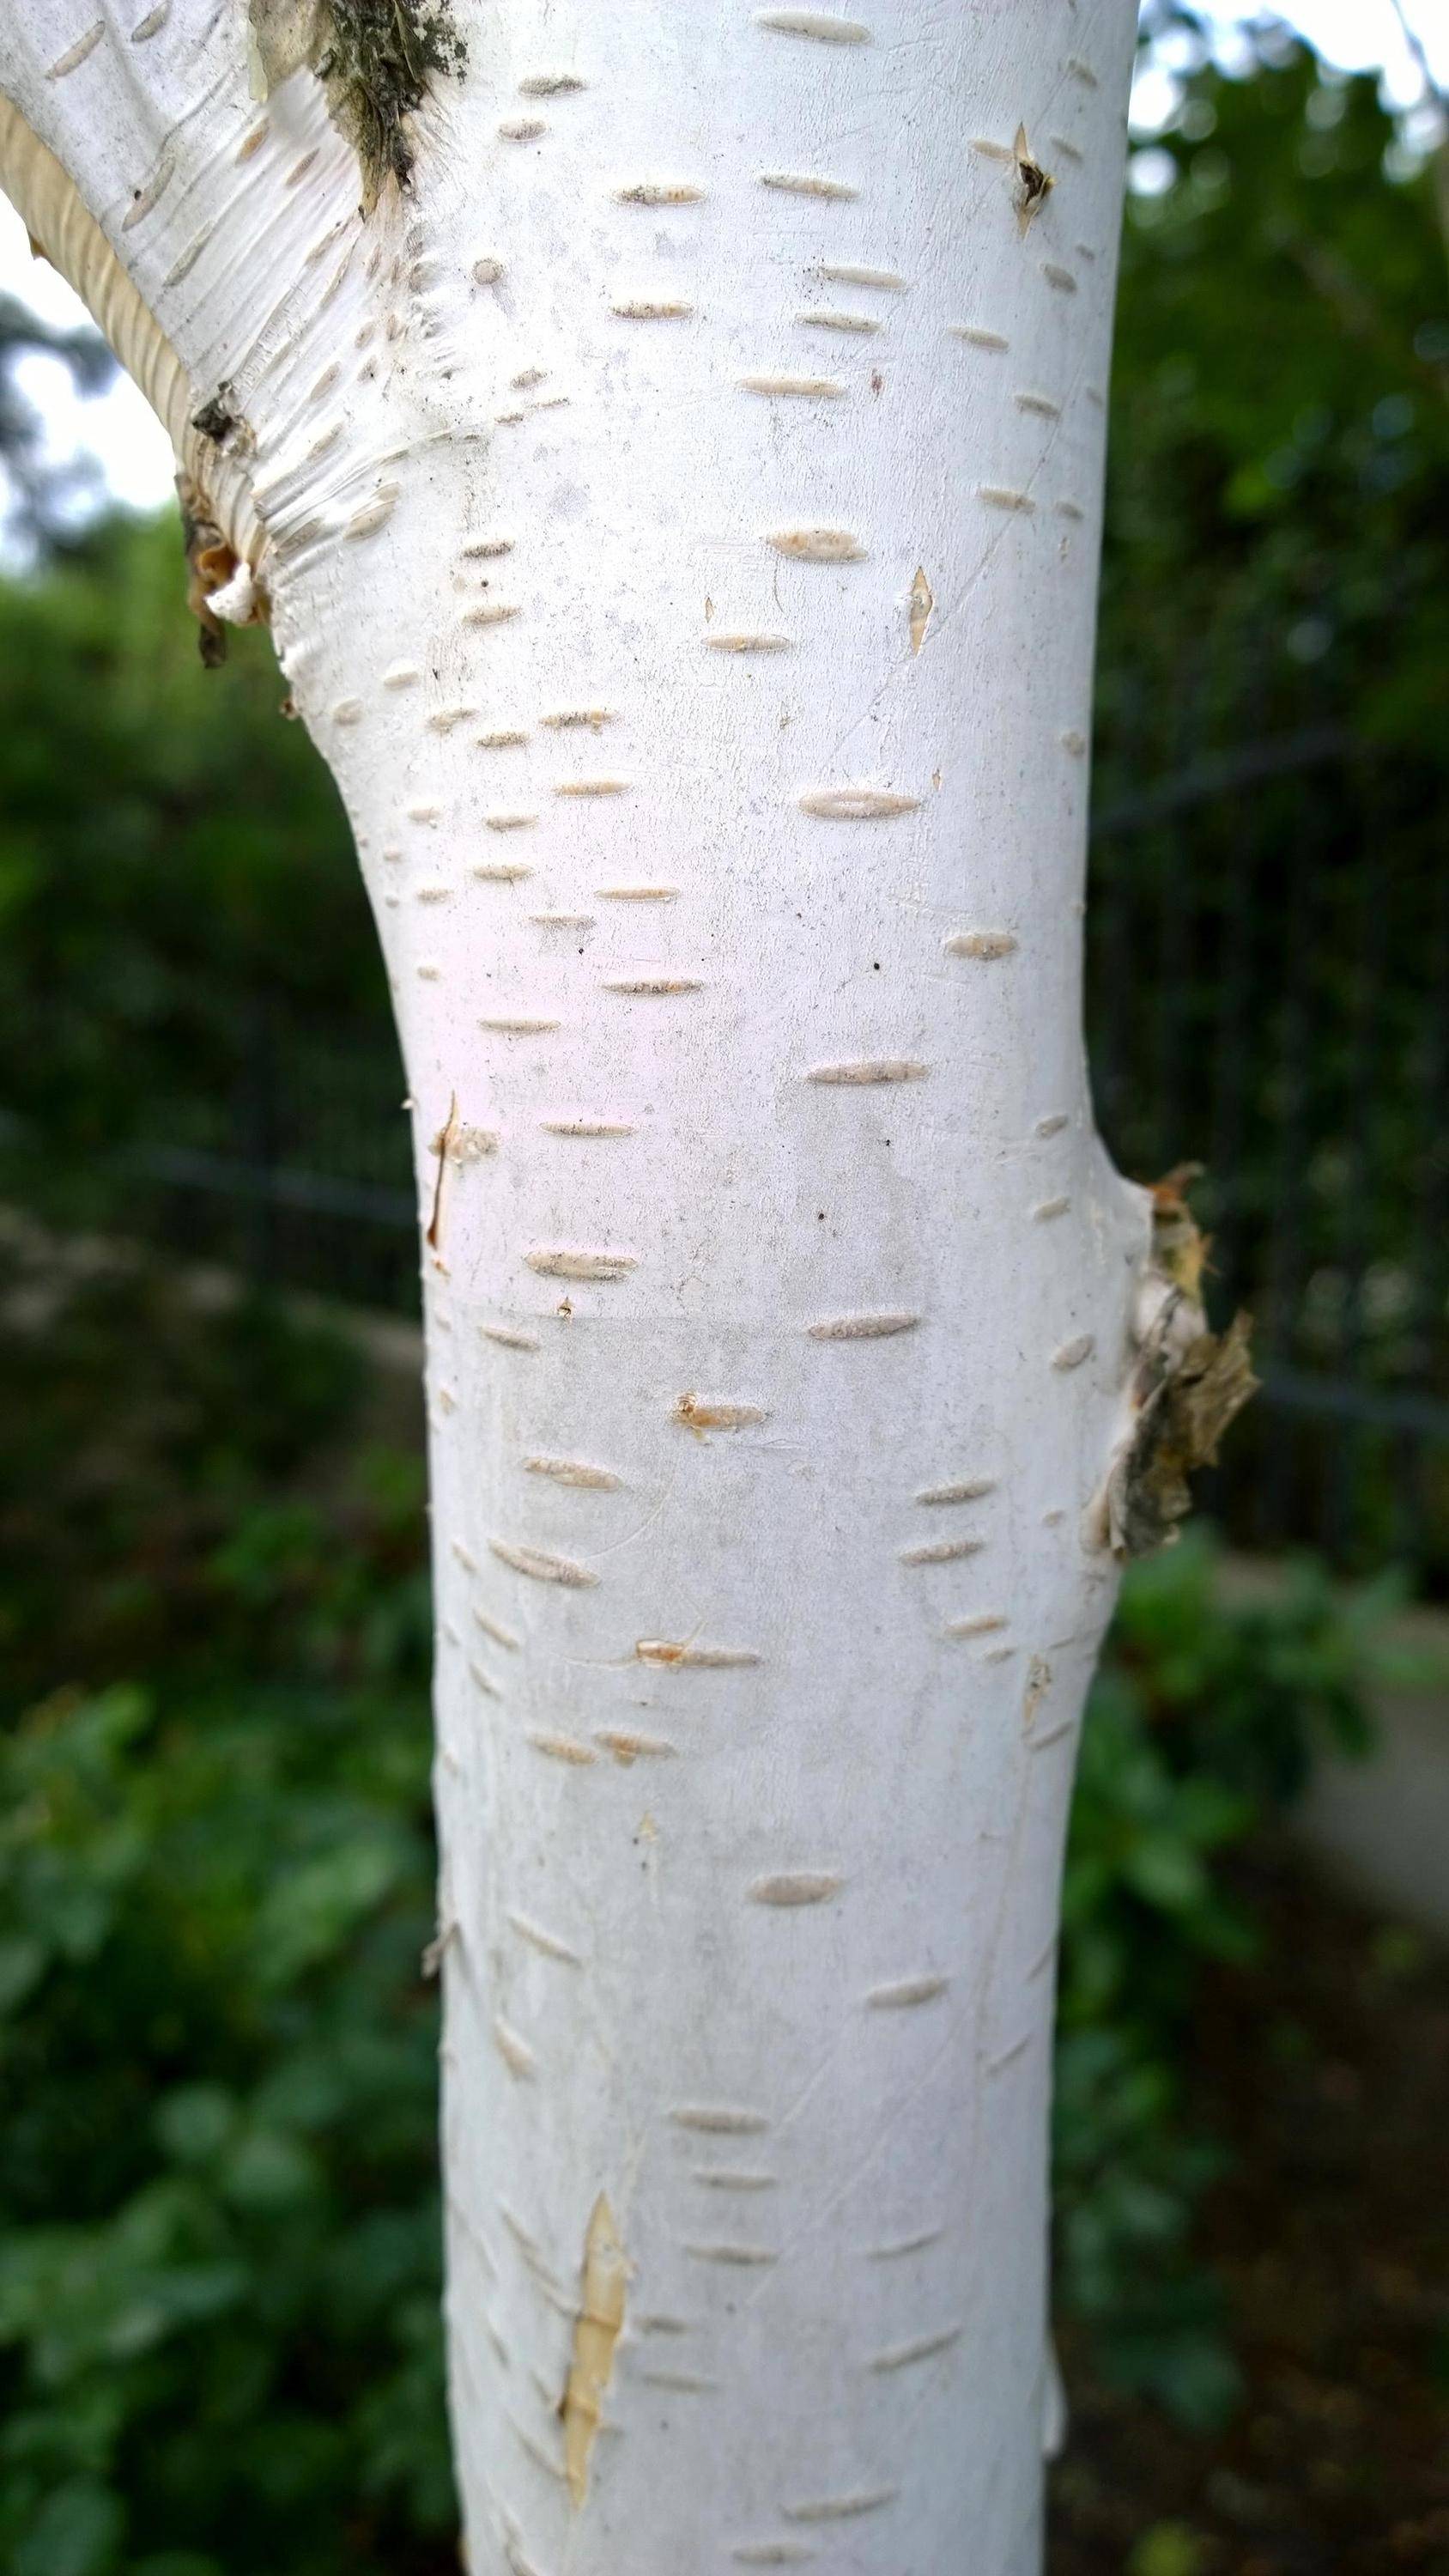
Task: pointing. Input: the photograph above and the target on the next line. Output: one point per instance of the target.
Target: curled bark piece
(1188, 1385)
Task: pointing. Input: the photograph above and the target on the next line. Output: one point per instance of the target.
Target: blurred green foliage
(1280, 424)
(1204, 1720)
(170, 852)
(218, 2194)
(1266, 966)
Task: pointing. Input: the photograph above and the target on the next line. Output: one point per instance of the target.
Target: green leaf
(1168, 2549)
(267, 2171)
(194, 2121)
(77, 2532)
(1166, 1873)
(23, 1962)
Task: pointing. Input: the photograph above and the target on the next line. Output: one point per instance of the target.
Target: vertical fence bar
(1355, 1230)
(1232, 838)
(1284, 1252)
(1173, 892)
(1429, 1249)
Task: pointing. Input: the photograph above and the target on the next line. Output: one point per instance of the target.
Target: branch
(1417, 48)
(1359, 315)
(1439, 158)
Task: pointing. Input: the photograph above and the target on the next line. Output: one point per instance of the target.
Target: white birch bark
(679, 513)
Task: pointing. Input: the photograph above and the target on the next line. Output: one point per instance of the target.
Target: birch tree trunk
(677, 508)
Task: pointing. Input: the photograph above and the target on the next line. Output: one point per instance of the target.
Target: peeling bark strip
(1188, 1385)
(785, 1330)
(212, 570)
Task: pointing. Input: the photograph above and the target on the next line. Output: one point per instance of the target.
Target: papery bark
(678, 512)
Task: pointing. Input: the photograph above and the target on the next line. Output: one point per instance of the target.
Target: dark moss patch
(376, 60)
(216, 420)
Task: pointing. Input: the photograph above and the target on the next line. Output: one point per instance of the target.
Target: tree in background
(1282, 372)
(45, 498)
(1277, 543)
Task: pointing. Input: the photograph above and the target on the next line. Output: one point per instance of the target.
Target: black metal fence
(1268, 995)
(1268, 966)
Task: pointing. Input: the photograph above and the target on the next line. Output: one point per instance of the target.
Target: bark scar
(441, 1144)
(597, 2329)
(1033, 184)
(923, 600)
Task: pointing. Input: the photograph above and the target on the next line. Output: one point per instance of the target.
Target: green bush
(1202, 1725)
(173, 857)
(218, 2261)
(218, 2194)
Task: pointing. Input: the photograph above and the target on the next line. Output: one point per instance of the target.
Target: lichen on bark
(375, 59)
